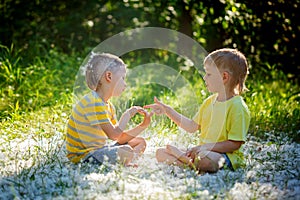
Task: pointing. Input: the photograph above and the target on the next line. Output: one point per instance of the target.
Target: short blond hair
(97, 65)
(232, 61)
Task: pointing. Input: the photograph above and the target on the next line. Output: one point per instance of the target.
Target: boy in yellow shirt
(223, 118)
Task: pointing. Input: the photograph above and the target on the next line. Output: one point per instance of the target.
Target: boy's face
(213, 78)
(118, 81)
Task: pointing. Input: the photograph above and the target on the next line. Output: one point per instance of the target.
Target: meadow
(36, 100)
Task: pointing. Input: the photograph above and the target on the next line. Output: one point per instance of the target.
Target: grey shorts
(108, 153)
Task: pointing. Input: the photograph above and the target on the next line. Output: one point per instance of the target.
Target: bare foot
(180, 155)
(174, 151)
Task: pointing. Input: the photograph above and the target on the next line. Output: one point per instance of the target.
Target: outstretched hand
(158, 107)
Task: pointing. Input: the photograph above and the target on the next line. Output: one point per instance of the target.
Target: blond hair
(232, 61)
(97, 65)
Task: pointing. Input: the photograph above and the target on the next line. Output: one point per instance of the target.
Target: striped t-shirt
(82, 134)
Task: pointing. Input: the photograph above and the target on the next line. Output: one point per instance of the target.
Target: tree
(266, 31)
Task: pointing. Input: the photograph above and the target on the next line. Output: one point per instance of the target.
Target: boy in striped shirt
(93, 119)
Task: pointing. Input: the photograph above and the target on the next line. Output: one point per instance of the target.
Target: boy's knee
(138, 141)
(142, 142)
(139, 144)
(207, 165)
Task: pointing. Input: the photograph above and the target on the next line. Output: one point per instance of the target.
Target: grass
(36, 100)
(274, 104)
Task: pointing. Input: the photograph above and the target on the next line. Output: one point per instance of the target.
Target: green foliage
(266, 31)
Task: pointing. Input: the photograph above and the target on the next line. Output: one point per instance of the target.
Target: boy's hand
(158, 107)
(193, 152)
(138, 109)
(147, 117)
(134, 109)
(198, 151)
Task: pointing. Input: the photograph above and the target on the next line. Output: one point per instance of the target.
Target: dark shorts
(108, 153)
(227, 164)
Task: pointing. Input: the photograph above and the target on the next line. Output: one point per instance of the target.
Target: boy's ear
(108, 75)
(226, 76)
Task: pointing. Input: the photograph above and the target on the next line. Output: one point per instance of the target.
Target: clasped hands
(138, 109)
(157, 108)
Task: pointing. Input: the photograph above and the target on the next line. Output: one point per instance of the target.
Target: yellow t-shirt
(221, 121)
(82, 134)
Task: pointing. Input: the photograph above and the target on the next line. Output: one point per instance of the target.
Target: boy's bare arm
(115, 133)
(181, 120)
(127, 115)
(122, 137)
(227, 146)
(184, 122)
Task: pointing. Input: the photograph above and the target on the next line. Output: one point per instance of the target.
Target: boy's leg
(110, 154)
(209, 161)
(138, 145)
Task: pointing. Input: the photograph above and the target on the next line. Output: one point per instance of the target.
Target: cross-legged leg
(205, 161)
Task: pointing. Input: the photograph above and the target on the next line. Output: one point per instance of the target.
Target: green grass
(26, 87)
(47, 83)
(274, 104)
